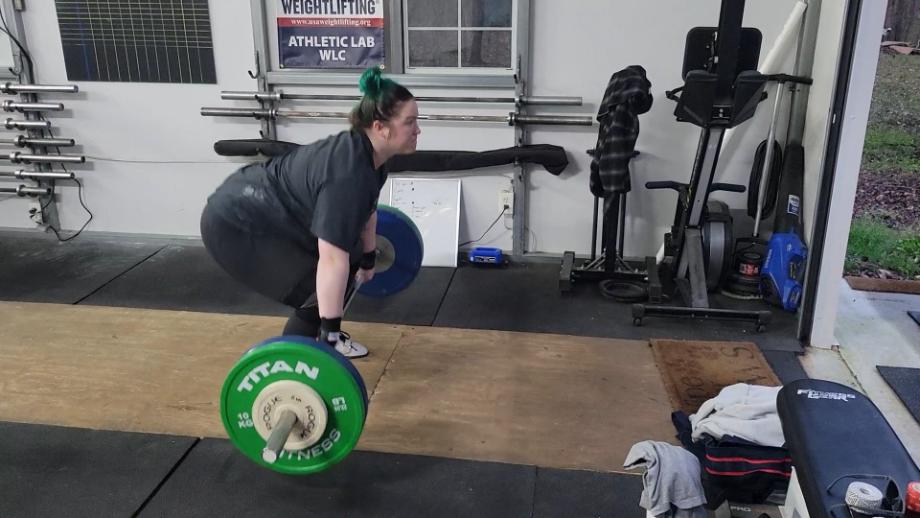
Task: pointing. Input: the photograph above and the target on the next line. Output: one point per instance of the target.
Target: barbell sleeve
(15, 88)
(10, 106)
(548, 100)
(252, 96)
(17, 157)
(23, 141)
(257, 113)
(24, 190)
(279, 436)
(26, 125)
(465, 118)
(302, 114)
(553, 120)
(35, 175)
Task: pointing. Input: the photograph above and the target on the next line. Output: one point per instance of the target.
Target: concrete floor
(873, 329)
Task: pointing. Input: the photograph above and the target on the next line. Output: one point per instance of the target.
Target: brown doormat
(694, 372)
(884, 285)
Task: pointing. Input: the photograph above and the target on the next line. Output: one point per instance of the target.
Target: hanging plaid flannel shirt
(626, 97)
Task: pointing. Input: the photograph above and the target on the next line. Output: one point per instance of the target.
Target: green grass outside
(896, 95)
(892, 145)
(893, 133)
(889, 148)
(875, 243)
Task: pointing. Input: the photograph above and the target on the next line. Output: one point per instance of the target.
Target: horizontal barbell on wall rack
(16, 88)
(26, 125)
(9, 106)
(23, 141)
(525, 100)
(24, 190)
(34, 175)
(17, 157)
(510, 119)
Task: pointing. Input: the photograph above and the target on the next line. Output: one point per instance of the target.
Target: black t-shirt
(326, 189)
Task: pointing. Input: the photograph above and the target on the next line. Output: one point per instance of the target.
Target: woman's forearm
(369, 234)
(331, 279)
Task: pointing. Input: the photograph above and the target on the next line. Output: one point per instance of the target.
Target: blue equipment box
(485, 255)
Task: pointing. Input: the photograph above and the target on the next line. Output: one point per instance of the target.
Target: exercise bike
(721, 90)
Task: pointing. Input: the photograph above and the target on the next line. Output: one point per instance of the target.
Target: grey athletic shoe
(348, 347)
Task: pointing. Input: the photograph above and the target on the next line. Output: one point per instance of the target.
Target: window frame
(459, 29)
(394, 61)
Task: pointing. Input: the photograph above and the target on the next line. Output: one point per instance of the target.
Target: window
(459, 35)
(474, 43)
(160, 41)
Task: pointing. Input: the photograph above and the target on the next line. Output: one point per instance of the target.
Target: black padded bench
(833, 431)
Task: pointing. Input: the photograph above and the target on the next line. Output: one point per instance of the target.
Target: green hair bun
(372, 83)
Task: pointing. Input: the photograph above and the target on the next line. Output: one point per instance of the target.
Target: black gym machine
(722, 89)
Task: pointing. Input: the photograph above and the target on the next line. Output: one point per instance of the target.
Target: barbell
(296, 405)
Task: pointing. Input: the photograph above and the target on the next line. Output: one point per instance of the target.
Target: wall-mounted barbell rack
(37, 144)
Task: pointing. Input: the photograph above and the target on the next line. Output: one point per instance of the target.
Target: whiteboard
(434, 206)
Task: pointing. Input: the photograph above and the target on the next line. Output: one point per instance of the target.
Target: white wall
(156, 124)
(607, 38)
(6, 57)
(576, 47)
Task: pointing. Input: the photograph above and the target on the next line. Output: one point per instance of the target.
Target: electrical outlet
(35, 212)
(506, 199)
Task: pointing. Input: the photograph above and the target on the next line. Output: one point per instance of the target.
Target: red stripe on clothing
(745, 459)
(740, 473)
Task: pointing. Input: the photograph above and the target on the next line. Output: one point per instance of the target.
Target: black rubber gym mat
(905, 382)
(416, 305)
(786, 365)
(58, 471)
(525, 297)
(575, 494)
(38, 268)
(216, 480)
(184, 277)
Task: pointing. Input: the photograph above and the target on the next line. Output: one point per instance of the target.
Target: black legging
(274, 266)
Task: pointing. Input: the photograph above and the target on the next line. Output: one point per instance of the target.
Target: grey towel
(671, 483)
